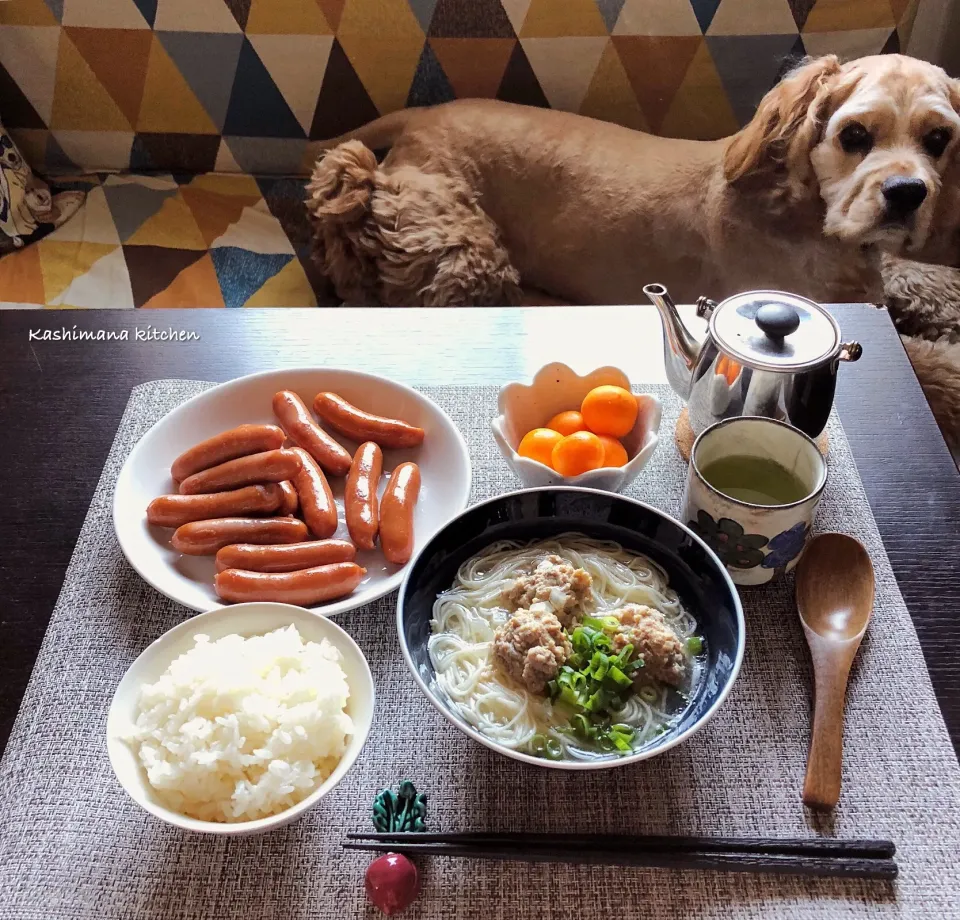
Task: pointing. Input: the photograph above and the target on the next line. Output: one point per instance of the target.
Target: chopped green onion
(694, 645)
(583, 638)
(621, 741)
(582, 727)
(544, 746)
(648, 694)
(618, 677)
(602, 623)
(595, 684)
(599, 665)
(597, 702)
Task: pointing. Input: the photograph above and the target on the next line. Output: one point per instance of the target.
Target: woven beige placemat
(73, 846)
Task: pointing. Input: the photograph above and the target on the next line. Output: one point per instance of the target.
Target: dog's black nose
(904, 194)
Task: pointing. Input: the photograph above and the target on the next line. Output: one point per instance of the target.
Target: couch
(186, 121)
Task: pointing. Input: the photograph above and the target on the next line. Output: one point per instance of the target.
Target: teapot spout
(680, 348)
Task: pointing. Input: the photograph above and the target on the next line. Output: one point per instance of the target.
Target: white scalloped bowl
(557, 388)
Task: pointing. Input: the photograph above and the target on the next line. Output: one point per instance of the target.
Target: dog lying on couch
(481, 202)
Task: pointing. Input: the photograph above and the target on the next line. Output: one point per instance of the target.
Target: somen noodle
(467, 616)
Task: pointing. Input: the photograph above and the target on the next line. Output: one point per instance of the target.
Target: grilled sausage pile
(239, 493)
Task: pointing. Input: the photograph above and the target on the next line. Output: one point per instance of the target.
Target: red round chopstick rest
(392, 883)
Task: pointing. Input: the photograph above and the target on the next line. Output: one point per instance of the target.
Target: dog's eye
(935, 141)
(855, 138)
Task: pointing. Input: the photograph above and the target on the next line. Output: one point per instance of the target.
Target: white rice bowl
(243, 728)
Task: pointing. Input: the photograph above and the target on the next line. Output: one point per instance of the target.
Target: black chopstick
(802, 846)
(790, 864)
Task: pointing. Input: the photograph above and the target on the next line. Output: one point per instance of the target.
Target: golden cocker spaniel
(477, 199)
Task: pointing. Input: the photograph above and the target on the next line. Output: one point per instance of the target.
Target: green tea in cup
(752, 491)
(756, 480)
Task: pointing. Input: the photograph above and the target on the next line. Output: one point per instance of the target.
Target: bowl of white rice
(239, 720)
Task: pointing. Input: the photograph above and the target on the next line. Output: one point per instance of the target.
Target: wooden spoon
(835, 588)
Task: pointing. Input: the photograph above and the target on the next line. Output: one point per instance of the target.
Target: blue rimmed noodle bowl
(695, 573)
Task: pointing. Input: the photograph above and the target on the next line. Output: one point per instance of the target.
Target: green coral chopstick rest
(400, 812)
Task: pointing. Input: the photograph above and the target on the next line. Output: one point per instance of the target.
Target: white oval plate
(443, 460)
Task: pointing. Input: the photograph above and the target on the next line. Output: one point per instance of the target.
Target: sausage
(396, 513)
(287, 557)
(289, 502)
(174, 510)
(269, 466)
(316, 499)
(306, 433)
(360, 502)
(204, 538)
(305, 587)
(228, 445)
(362, 426)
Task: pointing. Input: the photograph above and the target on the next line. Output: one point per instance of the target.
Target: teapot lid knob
(778, 320)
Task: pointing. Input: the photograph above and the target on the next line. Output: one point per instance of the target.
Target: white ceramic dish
(557, 388)
(246, 620)
(443, 459)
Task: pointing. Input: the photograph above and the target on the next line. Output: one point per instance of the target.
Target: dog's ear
(943, 241)
(785, 127)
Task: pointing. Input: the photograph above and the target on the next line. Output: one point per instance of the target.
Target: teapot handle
(705, 307)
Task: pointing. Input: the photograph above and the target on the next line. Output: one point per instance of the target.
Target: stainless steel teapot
(766, 353)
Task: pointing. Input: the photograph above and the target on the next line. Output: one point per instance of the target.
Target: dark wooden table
(61, 402)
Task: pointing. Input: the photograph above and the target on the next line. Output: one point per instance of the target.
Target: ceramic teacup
(757, 543)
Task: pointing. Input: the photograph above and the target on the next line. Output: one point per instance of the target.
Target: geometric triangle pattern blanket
(242, 85)
(213, 240)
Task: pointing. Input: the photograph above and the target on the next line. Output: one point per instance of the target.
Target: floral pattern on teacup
(728, 540)
(785, 547)
(745, 550)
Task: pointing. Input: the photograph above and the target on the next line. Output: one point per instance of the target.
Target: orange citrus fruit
(538, 445)
(614, 453)
(609, 410)
(577, 453)
(567, 422)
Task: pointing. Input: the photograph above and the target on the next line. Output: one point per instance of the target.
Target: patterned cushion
(154, 241)
(28, 208)
(240, 85)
